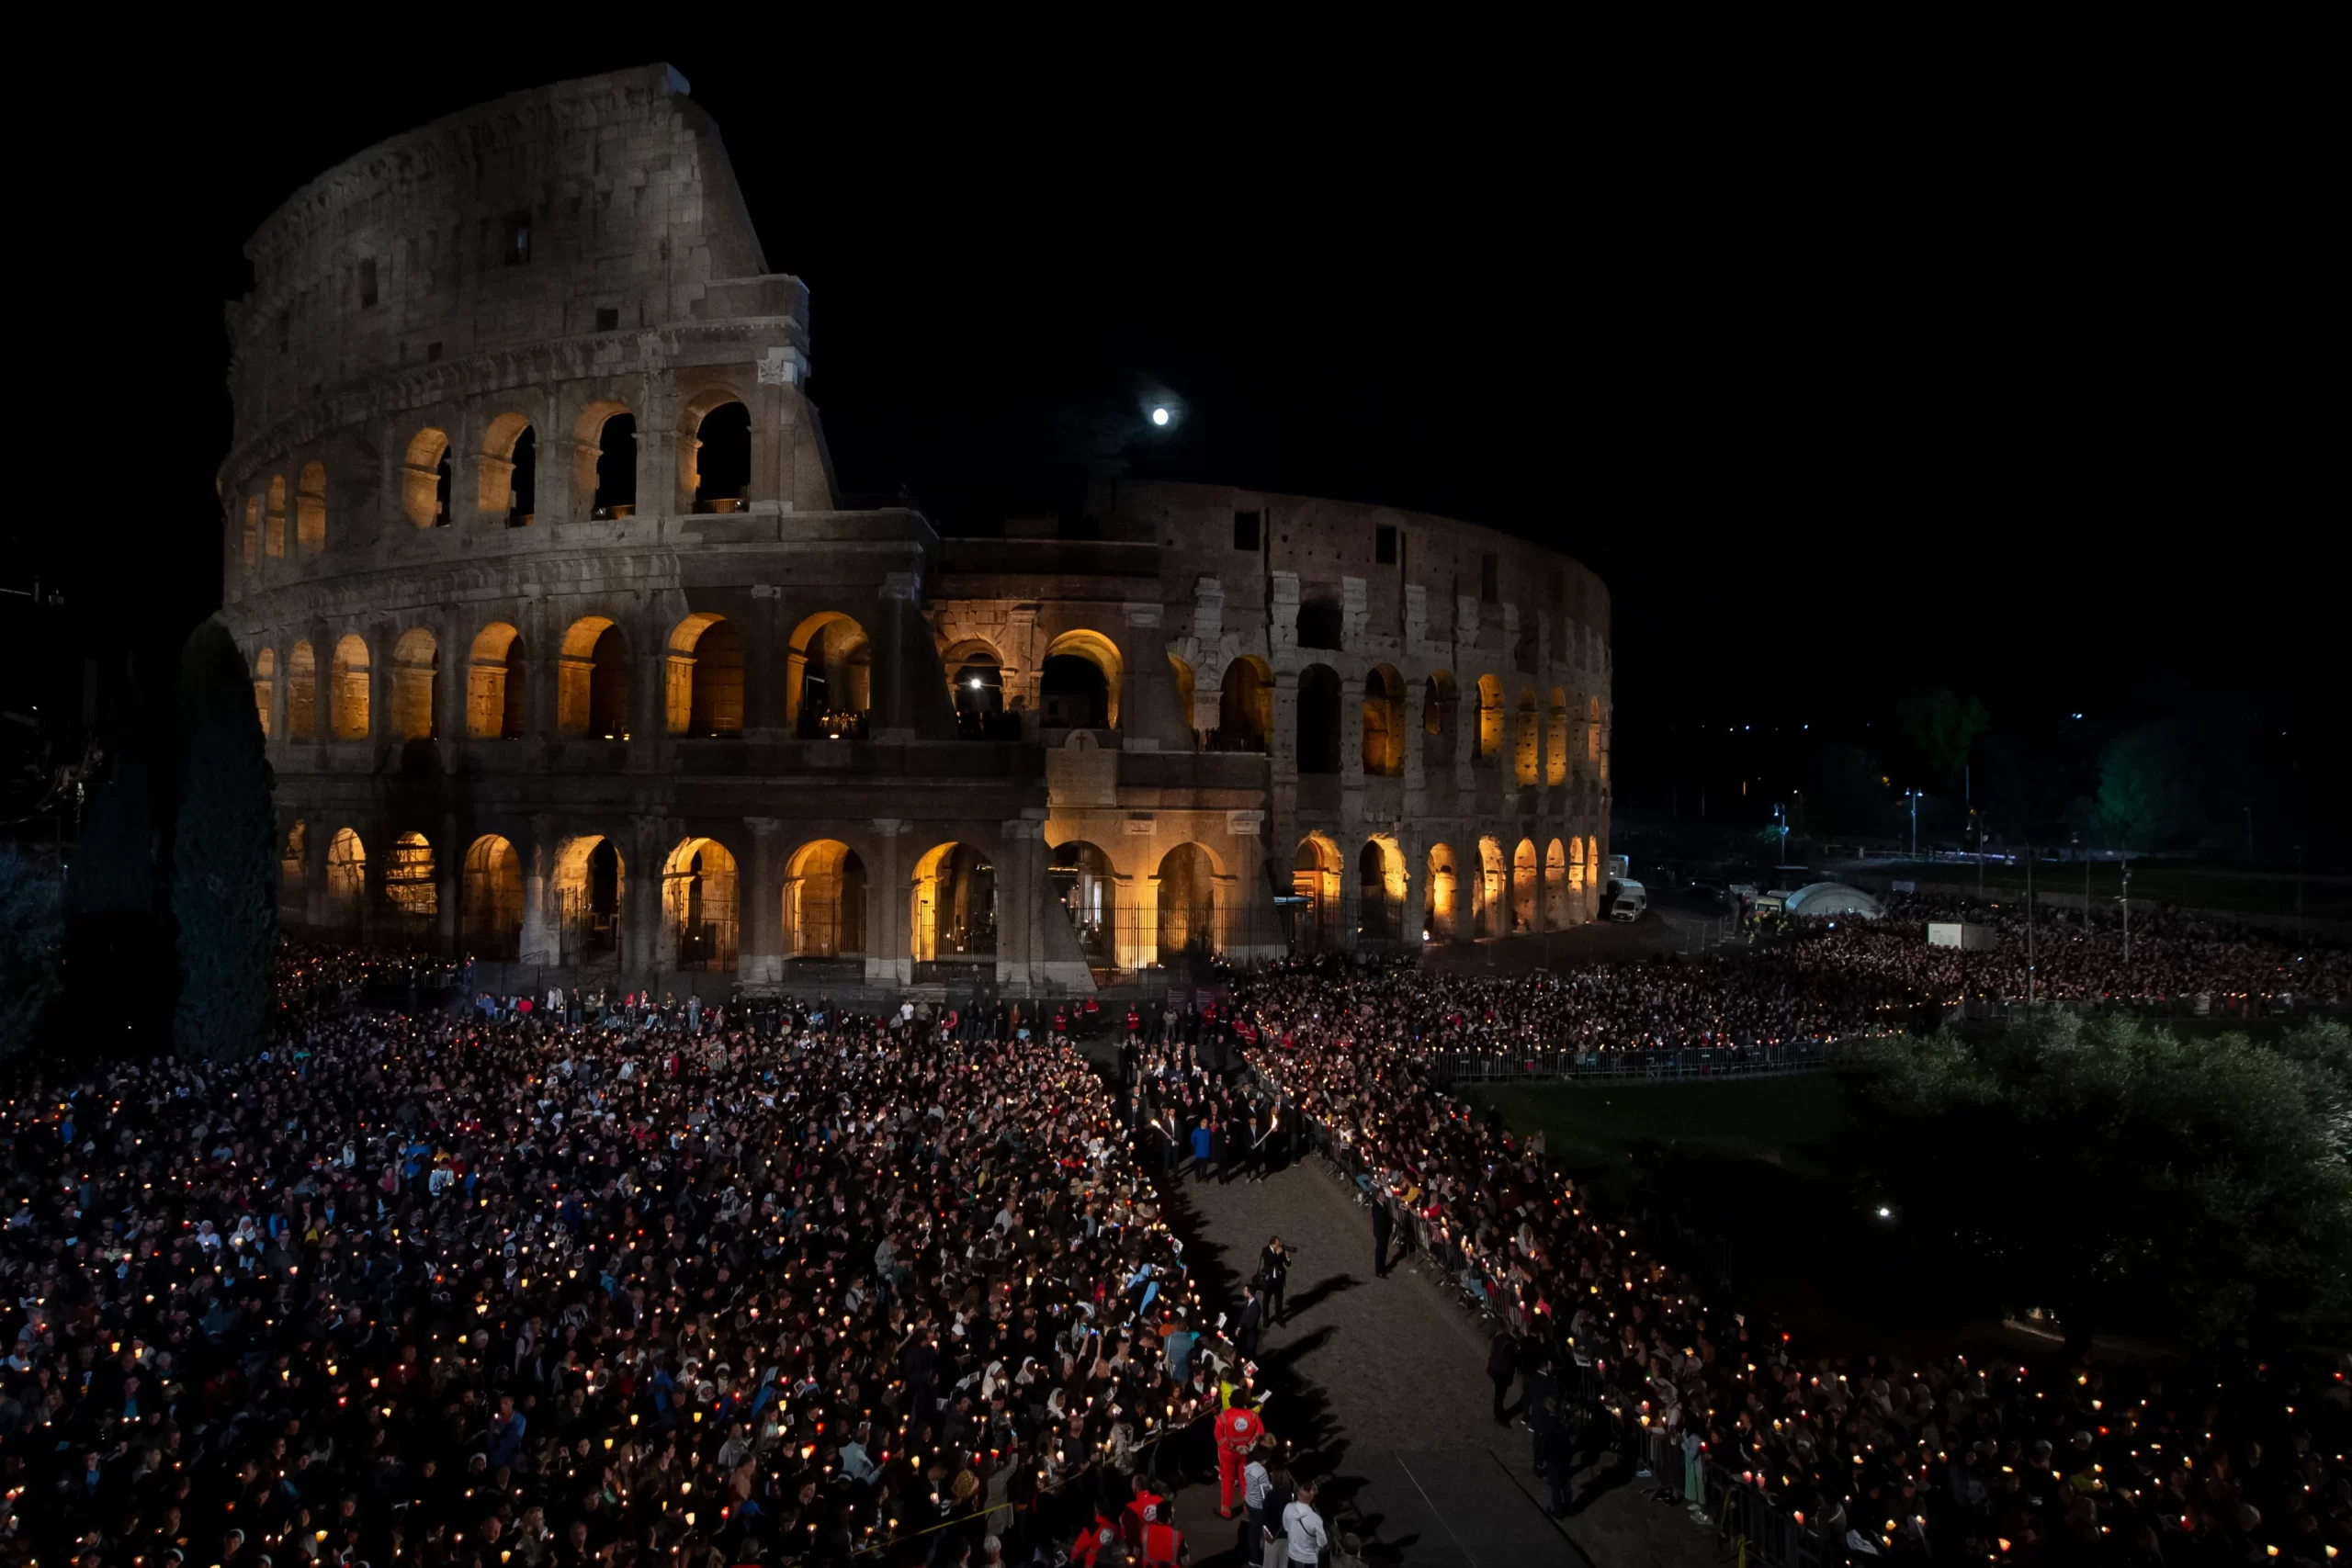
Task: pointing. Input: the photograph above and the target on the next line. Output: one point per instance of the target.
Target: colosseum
(572, 658)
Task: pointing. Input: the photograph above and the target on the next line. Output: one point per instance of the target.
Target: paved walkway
(1382, 1390)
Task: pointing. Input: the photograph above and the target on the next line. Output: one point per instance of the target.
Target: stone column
(760, 961)
(315, 837)
(1020, 884)
(643, 957)
(538, 948)
(887, 910)
(448, 876)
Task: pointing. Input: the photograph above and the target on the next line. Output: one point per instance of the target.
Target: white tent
(1816, 898)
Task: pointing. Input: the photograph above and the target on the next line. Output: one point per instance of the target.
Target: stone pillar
(315, 839)
(448, 876)
(643, 957)
(887, 907)
(759, 904)
(892, 720)
(538, 948)
(1467, 863)
(1020, 884)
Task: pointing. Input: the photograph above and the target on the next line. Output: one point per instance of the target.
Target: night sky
(1837, 400)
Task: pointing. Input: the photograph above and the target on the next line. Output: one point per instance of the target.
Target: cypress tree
(225, 870)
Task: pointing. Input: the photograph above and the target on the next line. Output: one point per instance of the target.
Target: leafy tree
(2114, 1171)
(1943, 725)
(31, 931)
(224, 876)
(2151, 782)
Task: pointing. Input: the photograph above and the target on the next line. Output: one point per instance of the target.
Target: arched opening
(589, 879)
(1079, 683)
(1597, 742)
(824, 901)
(509, 470)
(955, 906)
(1438, 715)
(703, 678)
(294, 878)
(698, 904)
(1319, 623)
(1380, 892)
(1555, 738)
(1525, 888)
(301, 692)
(1490, 718)
(1384, 724)
(1529, 750)
(1576, 866)
(1556, 887)
(311, 510)
(424, 479)
(616, 486)
(591, 681)
(719, 458)
(1187, 894)
(1245, 709)
(1490, 895)
(264, 686)
(496, 685)
(412, 895)
(251, 547)
(1592, 875)
(828, 678)
(346, 881)
(274, 529)
(1437, 898)
(347, 689)
(1318, 719)
(975, 689)
(1315, 877)
(1081, 877)
(489, 900)
(416, 667)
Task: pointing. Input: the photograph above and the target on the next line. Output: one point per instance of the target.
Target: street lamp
(1913, 795)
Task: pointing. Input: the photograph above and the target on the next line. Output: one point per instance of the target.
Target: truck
(1627, 900)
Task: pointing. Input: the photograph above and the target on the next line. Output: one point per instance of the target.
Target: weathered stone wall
(465, 696)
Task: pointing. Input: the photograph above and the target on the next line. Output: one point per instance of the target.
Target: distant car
(1710, 891)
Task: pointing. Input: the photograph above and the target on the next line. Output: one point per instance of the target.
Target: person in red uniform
(1140, 1511)
(1102, 1533)
(1163, 1545)
(1238, 1428)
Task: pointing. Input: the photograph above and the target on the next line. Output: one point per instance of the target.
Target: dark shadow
(1321, 1292)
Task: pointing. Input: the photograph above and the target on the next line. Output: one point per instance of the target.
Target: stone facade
(570, 656)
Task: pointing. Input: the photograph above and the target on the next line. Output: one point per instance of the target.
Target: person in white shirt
(1304, 1528)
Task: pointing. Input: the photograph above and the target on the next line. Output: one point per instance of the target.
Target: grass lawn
(1758, 1171)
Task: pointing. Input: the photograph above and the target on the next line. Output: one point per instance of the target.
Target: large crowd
(1961, 1458)
(611, 1278)
(429, 1288)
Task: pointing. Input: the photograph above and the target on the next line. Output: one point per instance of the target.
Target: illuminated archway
(1080, 681)
(346, 887)
(714, 470)
(1490, 718)
(698, 905)
(1083, 877)
(1380, 891)
(591, 681)
(416, 667)
(1438, 713)
(1555, 738)
(1526, 887)
(311, 510)
(496, 685)
(703, 678)
(954, 913)
(1490, 895)
(1576, 866)
(590, 878)
(1315, 876)
(424, 479)
(827, 678)
(1186, 891)
(508, 483)
(411, 892)
(824, 901)
(1245, 711)
(1384, 724)
(1438, 895)
(489, 900)
(348, 691)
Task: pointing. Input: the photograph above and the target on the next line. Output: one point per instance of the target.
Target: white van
(1627, 900)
